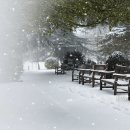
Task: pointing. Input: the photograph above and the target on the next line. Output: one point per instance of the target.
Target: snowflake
(13, 9)
(59, 48)
(50, 82)
(20, 118)
(69, 100)
(92, 123)
(5, 54)
(33, 103)
(23, 30)
(54, 127)
(38, 41)
(70, 55)
(116, 119)
(48, 53)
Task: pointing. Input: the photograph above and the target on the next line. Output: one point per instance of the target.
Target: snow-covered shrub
(117, 57)
(51, 63)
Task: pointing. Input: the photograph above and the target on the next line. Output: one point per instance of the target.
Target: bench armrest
(119, 75)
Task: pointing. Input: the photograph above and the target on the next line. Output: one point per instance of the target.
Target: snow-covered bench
(86, 76)
(78, 72)
(119, 80)
(93, 75)
(59, 70)
(75, 74)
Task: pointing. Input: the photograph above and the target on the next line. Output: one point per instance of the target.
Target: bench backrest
(86, 66)
(100, 67)
(122, 69)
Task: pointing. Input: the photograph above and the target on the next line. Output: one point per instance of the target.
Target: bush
(116, 57)
(73, 59)
(51, 63)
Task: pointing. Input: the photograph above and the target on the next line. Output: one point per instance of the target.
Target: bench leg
(115, 89)
(129, 92)
(63, 71)
(72, 78)
(100, 85)
(93, 82)
(82, 80)
(79, 77)
(89, 80)
(55, 70)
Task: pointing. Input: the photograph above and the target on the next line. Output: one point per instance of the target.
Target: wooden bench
(59, 70)
(78, 72)
(93, 75)
(117, 81)
(128, 77)
(85, 76)
(75, 74)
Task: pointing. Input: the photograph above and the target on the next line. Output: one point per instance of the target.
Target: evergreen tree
(74, 59)
(70, 14)
(116, 41)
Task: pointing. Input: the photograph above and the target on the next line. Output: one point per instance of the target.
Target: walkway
(45, 101)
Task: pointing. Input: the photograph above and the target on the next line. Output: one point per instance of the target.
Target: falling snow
(37, 99)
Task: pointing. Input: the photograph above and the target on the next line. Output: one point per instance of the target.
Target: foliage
(65, 42)
(90, 62)
(70, 14)
(116, 42)
(74, 59)
(51, 63)
(116, 58)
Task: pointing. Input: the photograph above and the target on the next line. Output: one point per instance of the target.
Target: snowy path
(45, 101)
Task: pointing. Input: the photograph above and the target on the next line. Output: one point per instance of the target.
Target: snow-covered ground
(45, 101)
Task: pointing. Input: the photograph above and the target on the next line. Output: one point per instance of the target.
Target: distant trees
(62, 42)
(57, 44)
(67, 15)
(118, 40)
(70, 14)
(57, 16)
